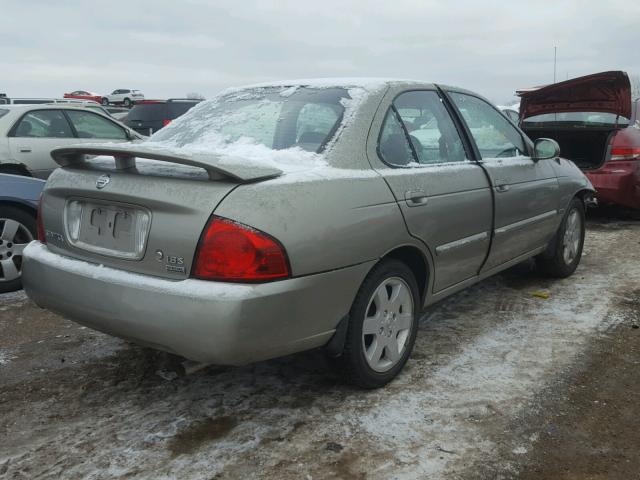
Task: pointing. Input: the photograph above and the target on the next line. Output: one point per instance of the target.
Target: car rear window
(175, 109)
(148, 112)
(31, 101)
(578, 119)
(275, 117)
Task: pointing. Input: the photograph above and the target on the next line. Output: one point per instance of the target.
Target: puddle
(199, 433)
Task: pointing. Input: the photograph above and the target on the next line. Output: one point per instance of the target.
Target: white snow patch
(520, 160)
(5, 357)
(189, 288)
(500, 371)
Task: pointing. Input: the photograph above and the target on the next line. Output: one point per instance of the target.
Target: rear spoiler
(217, 166)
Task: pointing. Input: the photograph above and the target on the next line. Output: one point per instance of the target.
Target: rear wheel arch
(417, 262)
(19, 206)
(15, 169)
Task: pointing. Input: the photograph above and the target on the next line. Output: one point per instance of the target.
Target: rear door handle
(415, 198)
(502, 187)
(25, 150)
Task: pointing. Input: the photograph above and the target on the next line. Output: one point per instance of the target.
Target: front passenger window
(494, 136)
(90, 125)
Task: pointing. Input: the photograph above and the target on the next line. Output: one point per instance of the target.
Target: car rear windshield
(148, 112)
(175, 109)
(276, 117)
(578, 119)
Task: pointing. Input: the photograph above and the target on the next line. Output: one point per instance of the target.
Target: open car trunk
(581, 114)
(586, 147)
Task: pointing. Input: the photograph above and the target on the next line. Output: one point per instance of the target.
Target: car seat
(395, 150)
(24, 129)
(59, 128)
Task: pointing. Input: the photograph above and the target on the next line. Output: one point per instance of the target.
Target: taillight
(625, 145)
(625, 153)
(39, 223)
(231, 252)
(166, 122)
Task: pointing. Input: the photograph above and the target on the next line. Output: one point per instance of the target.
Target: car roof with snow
(367, 83)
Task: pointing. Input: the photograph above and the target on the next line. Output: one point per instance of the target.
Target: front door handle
(415, 198)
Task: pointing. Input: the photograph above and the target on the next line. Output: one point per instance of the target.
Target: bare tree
(635, 86)
(195, 96)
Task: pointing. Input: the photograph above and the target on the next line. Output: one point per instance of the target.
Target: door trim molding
(525, 222)
(462, 242)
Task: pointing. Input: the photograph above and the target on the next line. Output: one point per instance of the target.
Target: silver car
(284, 217)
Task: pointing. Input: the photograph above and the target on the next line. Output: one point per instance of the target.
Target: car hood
(608, 92)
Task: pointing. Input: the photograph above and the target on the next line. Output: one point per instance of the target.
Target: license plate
(112, 230)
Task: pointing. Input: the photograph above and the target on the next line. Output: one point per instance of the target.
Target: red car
(84, 95)
(597, 124)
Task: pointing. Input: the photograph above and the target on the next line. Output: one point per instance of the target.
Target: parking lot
(502, 382)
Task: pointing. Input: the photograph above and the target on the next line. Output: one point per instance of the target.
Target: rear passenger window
(494, 135)
(314, 124)
(393, 145)
(90, 125)
(433, 135)
(44, 124)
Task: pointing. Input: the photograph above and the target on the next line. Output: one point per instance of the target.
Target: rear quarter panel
(326, 220)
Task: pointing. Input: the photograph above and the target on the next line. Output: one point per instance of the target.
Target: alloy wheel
(387, 324)
(14, 237)
(572, 237)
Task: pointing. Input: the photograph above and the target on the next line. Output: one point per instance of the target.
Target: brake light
(231, 252)
(625, 153)
(166, 122)
(39, 223)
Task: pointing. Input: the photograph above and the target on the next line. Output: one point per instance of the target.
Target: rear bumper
(212, 322)
(617, 182)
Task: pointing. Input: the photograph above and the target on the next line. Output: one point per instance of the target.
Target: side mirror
(545, 148)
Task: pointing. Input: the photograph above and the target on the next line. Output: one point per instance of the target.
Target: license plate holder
(108, 229)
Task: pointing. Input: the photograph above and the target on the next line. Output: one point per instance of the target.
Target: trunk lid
(607, 92)
(136, 215)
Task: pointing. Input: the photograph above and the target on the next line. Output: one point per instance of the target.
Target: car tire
(127, 102)
(563, 254)
(17, 229)
(105, 101)
(380, 331)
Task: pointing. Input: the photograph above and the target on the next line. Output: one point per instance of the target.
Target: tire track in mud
(481, 361)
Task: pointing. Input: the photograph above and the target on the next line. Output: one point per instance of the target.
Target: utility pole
(555, 60)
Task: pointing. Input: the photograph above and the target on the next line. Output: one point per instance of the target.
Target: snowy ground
(78, 404)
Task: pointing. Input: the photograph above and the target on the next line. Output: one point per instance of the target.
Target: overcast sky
(168, 48)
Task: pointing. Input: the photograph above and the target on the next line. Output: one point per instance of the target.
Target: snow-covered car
(18, 208)
(284, 217)
(122, 96)
(28, 133)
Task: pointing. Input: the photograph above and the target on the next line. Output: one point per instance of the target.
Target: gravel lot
(502, 384)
